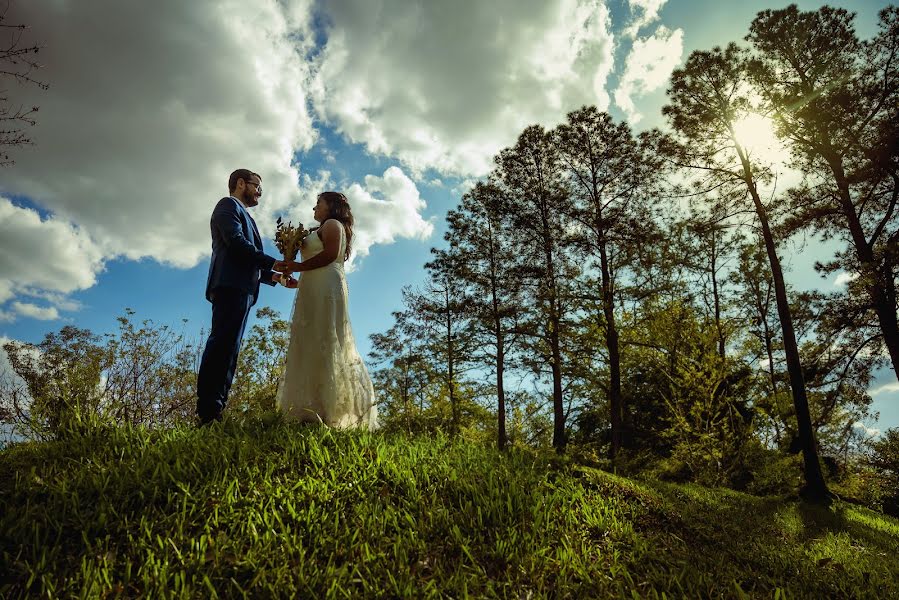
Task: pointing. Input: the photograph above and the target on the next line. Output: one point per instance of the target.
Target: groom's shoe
(207, 420)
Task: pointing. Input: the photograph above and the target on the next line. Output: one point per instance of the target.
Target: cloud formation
(44, 257)
(868, 432)
(390, 206)
(648, 67)
(449, 97)
(42, 313)
(887, 388)
(843, 279)
(644, 13)
(385, 208)
(150, 110)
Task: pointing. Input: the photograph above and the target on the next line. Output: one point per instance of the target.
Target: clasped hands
(283, 272)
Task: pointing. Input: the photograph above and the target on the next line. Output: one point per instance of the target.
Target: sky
(399, 104)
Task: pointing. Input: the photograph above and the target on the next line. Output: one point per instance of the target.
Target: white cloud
(6, 286)
(648, 67)
(384, 208)
(150, 110)
(387, 208)
(464, 186)
(887, 388)
(41, 313)
(60, 301)
(843, 278)
(47, 257)
(6, 370)
(644, 12)
(446, 85)
(9, 380)
(7, 373)
(869, 432)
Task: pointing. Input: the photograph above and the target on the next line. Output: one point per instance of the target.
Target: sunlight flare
(756, 134)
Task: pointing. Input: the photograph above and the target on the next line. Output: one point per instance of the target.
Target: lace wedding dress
(324, 377)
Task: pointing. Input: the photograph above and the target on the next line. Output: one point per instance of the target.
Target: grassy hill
(264, 508)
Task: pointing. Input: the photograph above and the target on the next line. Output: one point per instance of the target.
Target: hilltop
(266, 508)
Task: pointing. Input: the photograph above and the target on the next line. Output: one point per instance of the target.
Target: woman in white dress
(324, 377)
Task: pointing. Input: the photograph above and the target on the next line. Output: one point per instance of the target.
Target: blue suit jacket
(238, 261)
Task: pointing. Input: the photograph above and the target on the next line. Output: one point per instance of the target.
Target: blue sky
(399, 104)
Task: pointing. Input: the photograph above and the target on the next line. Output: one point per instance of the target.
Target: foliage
(835, 98)
(883, 458)
(261, 363)
(139, 375)
(62, 377)
(264, 508)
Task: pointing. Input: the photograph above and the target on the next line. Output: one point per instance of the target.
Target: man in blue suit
(237, 267)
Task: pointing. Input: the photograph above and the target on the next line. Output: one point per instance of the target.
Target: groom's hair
(244, 174)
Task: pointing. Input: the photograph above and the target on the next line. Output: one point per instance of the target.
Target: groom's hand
(282, 266)
(289, 282)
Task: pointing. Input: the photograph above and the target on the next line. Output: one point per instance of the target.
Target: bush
(883, 459)
(772, 472)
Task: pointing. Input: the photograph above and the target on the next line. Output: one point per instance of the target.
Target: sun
(756, 134)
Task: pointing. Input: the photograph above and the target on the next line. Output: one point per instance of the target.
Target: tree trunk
(556, 354)
(878, 282)
(717, 298)
(815, 487)
(451, 384)
(558, 404)
(615, 401)
(501, 440)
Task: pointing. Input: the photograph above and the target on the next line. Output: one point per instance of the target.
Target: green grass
(267, 509)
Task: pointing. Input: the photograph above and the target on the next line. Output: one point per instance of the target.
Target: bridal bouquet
(289, 238)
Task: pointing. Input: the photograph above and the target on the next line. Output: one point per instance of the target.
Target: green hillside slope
(269, 509)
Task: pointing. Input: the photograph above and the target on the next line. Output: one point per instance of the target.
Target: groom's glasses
(258, 186)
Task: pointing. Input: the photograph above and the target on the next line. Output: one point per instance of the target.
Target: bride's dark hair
(339, 208)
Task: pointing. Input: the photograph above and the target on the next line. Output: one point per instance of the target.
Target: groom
(237, 267)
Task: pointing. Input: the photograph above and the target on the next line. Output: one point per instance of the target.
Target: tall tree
(712, 246)
(613, 178)
(480, 233)
(402, 377)
(754, 302)
(531, 175)
(709, 96)
(442, 308)
(837, 101)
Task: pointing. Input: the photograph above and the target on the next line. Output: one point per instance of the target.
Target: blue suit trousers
(230, 310)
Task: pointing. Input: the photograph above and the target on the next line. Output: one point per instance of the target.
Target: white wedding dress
(324, 377)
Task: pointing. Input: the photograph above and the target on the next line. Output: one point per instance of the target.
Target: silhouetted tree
(531, 176)
(613, 178)
(479, 233)
(708, 97)
(837, 101)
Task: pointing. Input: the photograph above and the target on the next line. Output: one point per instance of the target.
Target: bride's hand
(286, 266)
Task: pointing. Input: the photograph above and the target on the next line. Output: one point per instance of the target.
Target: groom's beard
(249, 199)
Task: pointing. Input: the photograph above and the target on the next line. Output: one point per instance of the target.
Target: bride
(324, 377)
